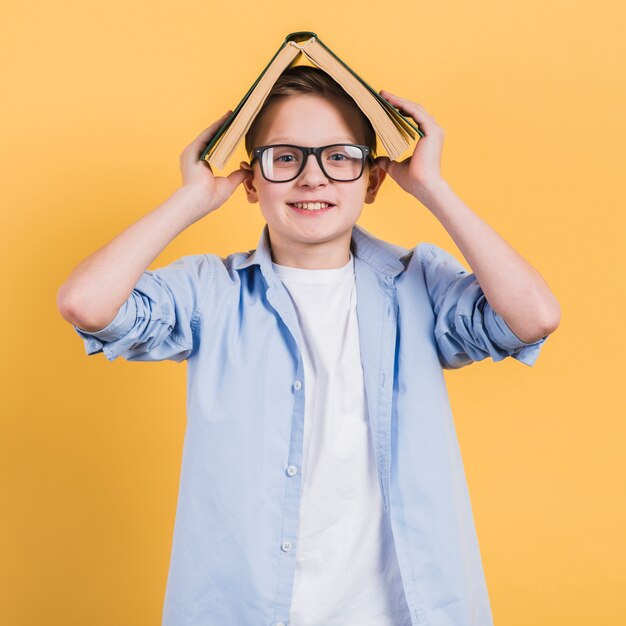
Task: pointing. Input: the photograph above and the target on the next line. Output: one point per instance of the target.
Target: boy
(321, 481)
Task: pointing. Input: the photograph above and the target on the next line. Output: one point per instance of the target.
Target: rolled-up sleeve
(467, 328)
(158, 320)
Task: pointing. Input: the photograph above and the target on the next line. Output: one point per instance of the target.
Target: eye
(284, 155)
(338, 156)
(285, 158)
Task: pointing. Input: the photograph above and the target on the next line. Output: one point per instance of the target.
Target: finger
(391, 167)
(190, 158)
(413, 109)
(390, 96)
(383, 162)
(238, 176)
(197, 146)
(408, 106)
(205, 136)
(232, 181)
(199, 143)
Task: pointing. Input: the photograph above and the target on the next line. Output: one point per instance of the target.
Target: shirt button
(292, 470)
(286, 546)
(297, 385)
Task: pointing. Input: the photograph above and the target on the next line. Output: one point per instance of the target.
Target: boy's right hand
(212, 190)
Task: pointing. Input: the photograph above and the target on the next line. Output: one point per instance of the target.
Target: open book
(393, 129)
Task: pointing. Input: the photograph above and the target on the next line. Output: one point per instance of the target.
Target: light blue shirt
(235, 537)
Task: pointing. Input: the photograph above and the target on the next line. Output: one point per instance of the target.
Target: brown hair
(304, 79)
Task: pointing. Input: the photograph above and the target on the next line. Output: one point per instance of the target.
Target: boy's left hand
(419, 172)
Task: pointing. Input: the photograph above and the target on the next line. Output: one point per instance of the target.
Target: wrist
(196, 200)
(429, 191)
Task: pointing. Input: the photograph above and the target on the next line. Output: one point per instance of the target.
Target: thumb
(385, 163)
(226, 185)
(238, 176)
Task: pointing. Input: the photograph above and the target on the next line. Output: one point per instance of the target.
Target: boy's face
(311, 239)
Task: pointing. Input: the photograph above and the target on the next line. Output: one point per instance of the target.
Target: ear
(248, 183)
(376, 176)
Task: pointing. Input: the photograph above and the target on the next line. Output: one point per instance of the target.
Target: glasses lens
(281, 162)
(343, 162)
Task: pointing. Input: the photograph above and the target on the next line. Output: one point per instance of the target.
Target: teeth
(311, 206)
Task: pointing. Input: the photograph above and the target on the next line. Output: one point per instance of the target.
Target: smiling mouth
(311, 206)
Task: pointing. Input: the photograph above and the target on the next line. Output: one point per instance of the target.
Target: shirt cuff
(119, 326)
(505, 338)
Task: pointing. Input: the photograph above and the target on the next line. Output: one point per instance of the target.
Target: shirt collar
(384, 257)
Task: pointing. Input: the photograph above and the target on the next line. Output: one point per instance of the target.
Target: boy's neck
(311, 256)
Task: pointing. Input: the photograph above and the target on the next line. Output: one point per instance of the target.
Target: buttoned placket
(385, 394)
(377, 330)
(277, 296)
(377, 336)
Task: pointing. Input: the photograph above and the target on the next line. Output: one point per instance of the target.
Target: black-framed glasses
(281, 163)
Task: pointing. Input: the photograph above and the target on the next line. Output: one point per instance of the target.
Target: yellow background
(99, 99)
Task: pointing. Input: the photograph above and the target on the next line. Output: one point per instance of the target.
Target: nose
(311, 174)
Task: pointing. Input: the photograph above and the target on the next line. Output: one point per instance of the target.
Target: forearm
(515, 290)
(99, 285)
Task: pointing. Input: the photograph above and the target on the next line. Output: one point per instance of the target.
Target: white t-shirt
(342, 575)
